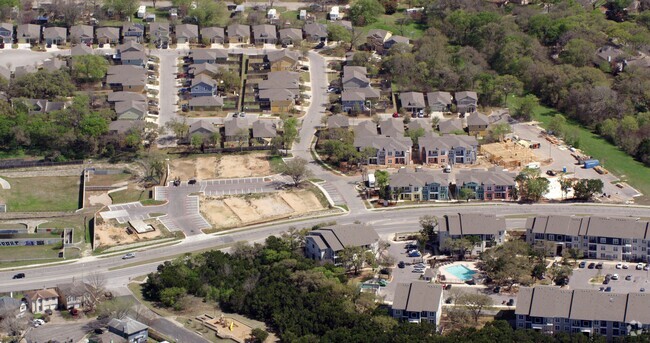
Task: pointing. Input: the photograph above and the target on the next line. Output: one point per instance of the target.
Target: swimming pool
(461, 272)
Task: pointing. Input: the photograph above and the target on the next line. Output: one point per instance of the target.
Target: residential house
(130, 329)
(419, 185)
(617, 239)
(376, 38)
(487, 229)
(203, 128)
(82, 34)
(41, 300)
(187, 33)
(28, 33)
(552, 310)
(283, 60)
(11, 307)
(213, 35)
(265, 34)
(111, 35)
(338, 121)
(238, 33)
(131, 31)
(486, 185)
(466, 102)
(211, 56)
(290, 36)
(389, 150)
(24, 70)
(264, 131)
(55, 35)
(81, 49)
(53, 64)
(132, 53)
(131, 110)
(356, 99)
(355, 77)
(610, 54)
(202, 85)
(315, 32)
(281, 80)
(237, 130)
(395, 39)
(40, 105)
(72, 295)
(326, 243)
(277, 100)
(209, 70)
(126, 78)
(206, 103)
(477, 124)
(448, 149)
(391, 127)
(7, 33)
(423, 124)
(159, 33)
(412, 102)
(116, 97)
(119, 127)
(439, 101)
(417, 301)
(450, 126)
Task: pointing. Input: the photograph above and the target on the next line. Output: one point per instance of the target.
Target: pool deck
(451, 278)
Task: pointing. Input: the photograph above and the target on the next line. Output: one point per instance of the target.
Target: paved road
(168, 91)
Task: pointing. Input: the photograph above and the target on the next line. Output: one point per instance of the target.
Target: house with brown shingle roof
(417, 302)
(82, 34)
(187, 33)
(111, 35)
(213, 34)
(290, 36)
(238, 33)
(39, 301)
(284, 59)
(28, 33)
(265, 34)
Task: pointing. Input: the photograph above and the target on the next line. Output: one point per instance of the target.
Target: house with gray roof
(390, 151)
(448, 149)
(206, 103)
(131, 53)
(489, 230)
(439, 101)
(605, 238)
(203, 128)
(277, 100)
(412, 102)
(478, 124)
(423, 124)
(450, 126)
(82, 34)
(126, 78)
(54, 35)
(187, 33)
(5, 73)
(207, 69)
(111, 35)
(129, 329)
(131, 31)
(238, 33)
(392, 127)
(315, 32)
(376, 38)
(338, 121)
(235, 129)
(281, 80)
(73, 294)
(283, 59)
(41, 105)
(130, 110)
(211, 56)
(118, 127)
(213, 34)
(290, 36)
(80, 50)
(355, 77)
(488, 185)
(356, 99)
(158, 33)
(12, 306)
(326, 243)
(554, 310)
(466, 102)
(7, 33)
(53, 64)
(265, 34)
(417, 302)
(419, 185)
(24, 70)
(28, 33)
(395, 39)
(202, 85)
(115, 97)
(264, 130)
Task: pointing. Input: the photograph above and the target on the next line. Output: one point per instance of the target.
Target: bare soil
(228, 166)
(112, 233)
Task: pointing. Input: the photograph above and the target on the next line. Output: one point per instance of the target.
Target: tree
(578, 52)
(89, 68)
(352, 258)
(231, 80)
(96, 288)
(173, 297)
(565, 185)
(429, 225)
(557, 123)
(242, 137)
(531, 185)
(289, 132)
(210, 13)
(382, 178)
(298, 169)
(415, 134)
(118, 308)
(586, 188)
(475, 303)
(154, 165)
(259, 335)
(124, 8)
(338, 33)
(466, 194)
(498, 131)
(508, 264)
(526, 107)
(462, 245)
(560, 272)
(14, 327)
(179, 128)
(365, 12)
(196, 141)
(42, 85)
(69, 10)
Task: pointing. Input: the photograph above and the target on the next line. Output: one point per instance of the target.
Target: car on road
(38, 322)
(599, 265)
(420, 271)
(582, 264)
(19, 276)
(628, 278)
(608, 289)
(128, 256)
(591, 265)
(639, 266)
(401, 264)
(615, 277)
(619, 266)
(642, 290)
(395, 115)
(320, 45)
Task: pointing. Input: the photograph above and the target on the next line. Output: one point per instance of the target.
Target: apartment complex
(324, 244)
(417, 302)
(553, 310)
(489, 229)
(419, 185)
(617, 239)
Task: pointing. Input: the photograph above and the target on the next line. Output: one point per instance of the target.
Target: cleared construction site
(509, 155)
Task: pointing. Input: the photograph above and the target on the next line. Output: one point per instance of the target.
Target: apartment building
(449, 149)
(324, 244)
(488, 185)
(617, 239)
(487, 227)
(419, 185)
(417, 302)
(554, 310)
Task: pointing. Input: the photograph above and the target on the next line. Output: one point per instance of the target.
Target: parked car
(639, 266)
(619, 266)
(606, 281)
(551, 172)
(401, 264)
(420, 271)
(582, 264)
(625, 266)
(128, 256)
(191, 182)
(497, 289)
(599, 265)
(608, 289)
(647, 267)
(628, 278)
(19, 276)
(395, 115)
(511, 302)
(601, 289)
(615, 277)
(591, 265)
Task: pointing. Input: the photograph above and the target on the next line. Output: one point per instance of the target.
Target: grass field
(614, 159)
(389, 23)
(276, 163)
(42, 193)
(78, 223)
(129, 195)
(29, 254)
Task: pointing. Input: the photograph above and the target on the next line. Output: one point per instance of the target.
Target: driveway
(57, 332)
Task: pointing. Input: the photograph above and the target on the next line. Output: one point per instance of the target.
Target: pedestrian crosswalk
(334, 193)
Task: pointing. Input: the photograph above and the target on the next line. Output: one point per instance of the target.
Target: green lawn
(78, 223)
(41, 193)
(28, 254)
(614, 159)
(389, 23)
(129, 195)
(276, 163)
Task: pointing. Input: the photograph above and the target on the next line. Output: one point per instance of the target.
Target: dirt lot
(111, 233)
(227, 166)
(230, 212)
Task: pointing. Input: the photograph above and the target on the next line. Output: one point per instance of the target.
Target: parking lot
(400, 275)
(639, 278)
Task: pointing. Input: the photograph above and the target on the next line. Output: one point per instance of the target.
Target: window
(616, 241)
(557, 328)
(603, 240)
(615, 248)
(602, 247)
(615, 332)
(521, 325)
(551, 237)
(557, 320)
(576, 323)
(615, 324)
(585, 323)
(603, 331)
(521, 317)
